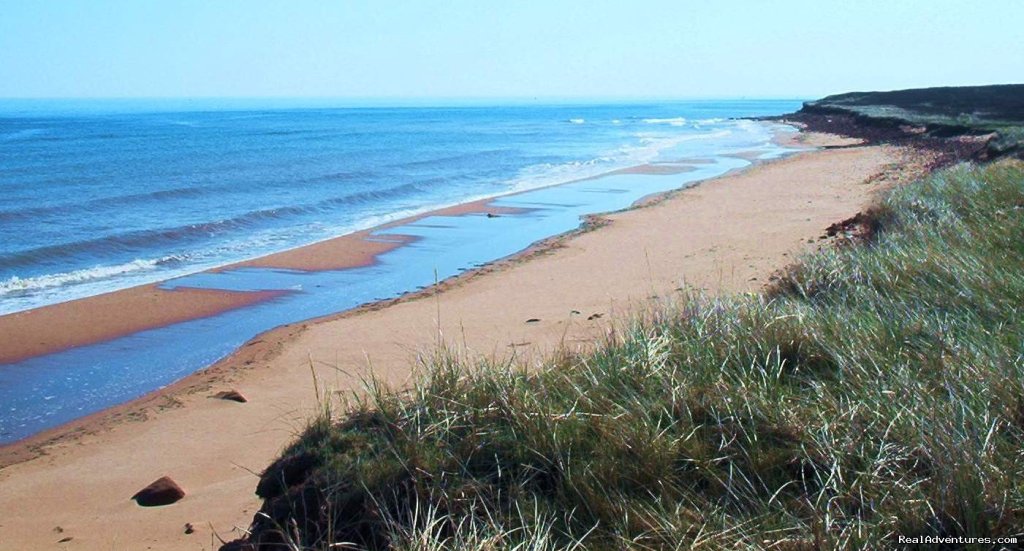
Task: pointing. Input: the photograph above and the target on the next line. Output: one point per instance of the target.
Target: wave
(646, 149)
(18, 285)
(577, 121)
(177, 235)
(450, 160)
(345, 176)
(363, 197)
(675, 121)
(124, 200)
(663, 141)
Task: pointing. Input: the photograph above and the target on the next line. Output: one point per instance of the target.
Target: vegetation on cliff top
(978, 110)
(877, 392)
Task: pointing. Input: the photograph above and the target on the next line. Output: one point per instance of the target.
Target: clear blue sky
(509, 49)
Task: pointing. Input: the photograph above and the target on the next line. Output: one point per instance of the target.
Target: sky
(391, 49)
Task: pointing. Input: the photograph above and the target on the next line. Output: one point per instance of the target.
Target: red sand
(104, 317)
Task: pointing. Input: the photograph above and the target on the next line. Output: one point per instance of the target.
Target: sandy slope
(725, 235)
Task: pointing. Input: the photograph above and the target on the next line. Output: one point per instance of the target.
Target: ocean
(104, 195)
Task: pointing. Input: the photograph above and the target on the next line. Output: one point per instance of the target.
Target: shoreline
(359, 249)
(774, 208)
(106, 318)
(152, 306)
(32, 446)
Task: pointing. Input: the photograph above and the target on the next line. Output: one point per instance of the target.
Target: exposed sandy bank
(104, 317)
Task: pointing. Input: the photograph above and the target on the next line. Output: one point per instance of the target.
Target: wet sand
(725, 235)
(111, 315)
(360, 248)
(103, 317)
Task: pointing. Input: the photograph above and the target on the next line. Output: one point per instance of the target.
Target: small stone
(533, 320)
(189, 529)
(232, 395)
(594, 316)
(162, 491)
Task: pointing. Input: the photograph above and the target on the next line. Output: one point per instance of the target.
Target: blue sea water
(106, 195)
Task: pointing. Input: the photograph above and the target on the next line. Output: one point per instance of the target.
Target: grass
(965, 106)
(944, 111)
(878, 391)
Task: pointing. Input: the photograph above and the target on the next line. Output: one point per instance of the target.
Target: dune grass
(877, 391)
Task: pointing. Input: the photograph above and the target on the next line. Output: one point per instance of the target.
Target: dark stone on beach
(533, 320)
(594, 316)
(492, 215)
(189, 529)
(163, 491)
(232, 395)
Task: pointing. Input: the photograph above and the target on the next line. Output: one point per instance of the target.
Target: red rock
(232, 395)
(162, 491)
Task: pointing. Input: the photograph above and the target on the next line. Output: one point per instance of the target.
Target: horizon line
(418, 99)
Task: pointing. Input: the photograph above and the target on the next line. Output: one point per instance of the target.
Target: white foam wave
(675, 121)
(748, 125)
(549, 174)
(660, 142)
(577, 121)
(17, 284)
(648, 148)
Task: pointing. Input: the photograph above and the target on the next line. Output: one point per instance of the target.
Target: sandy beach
(70, 488)
(110, 315)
